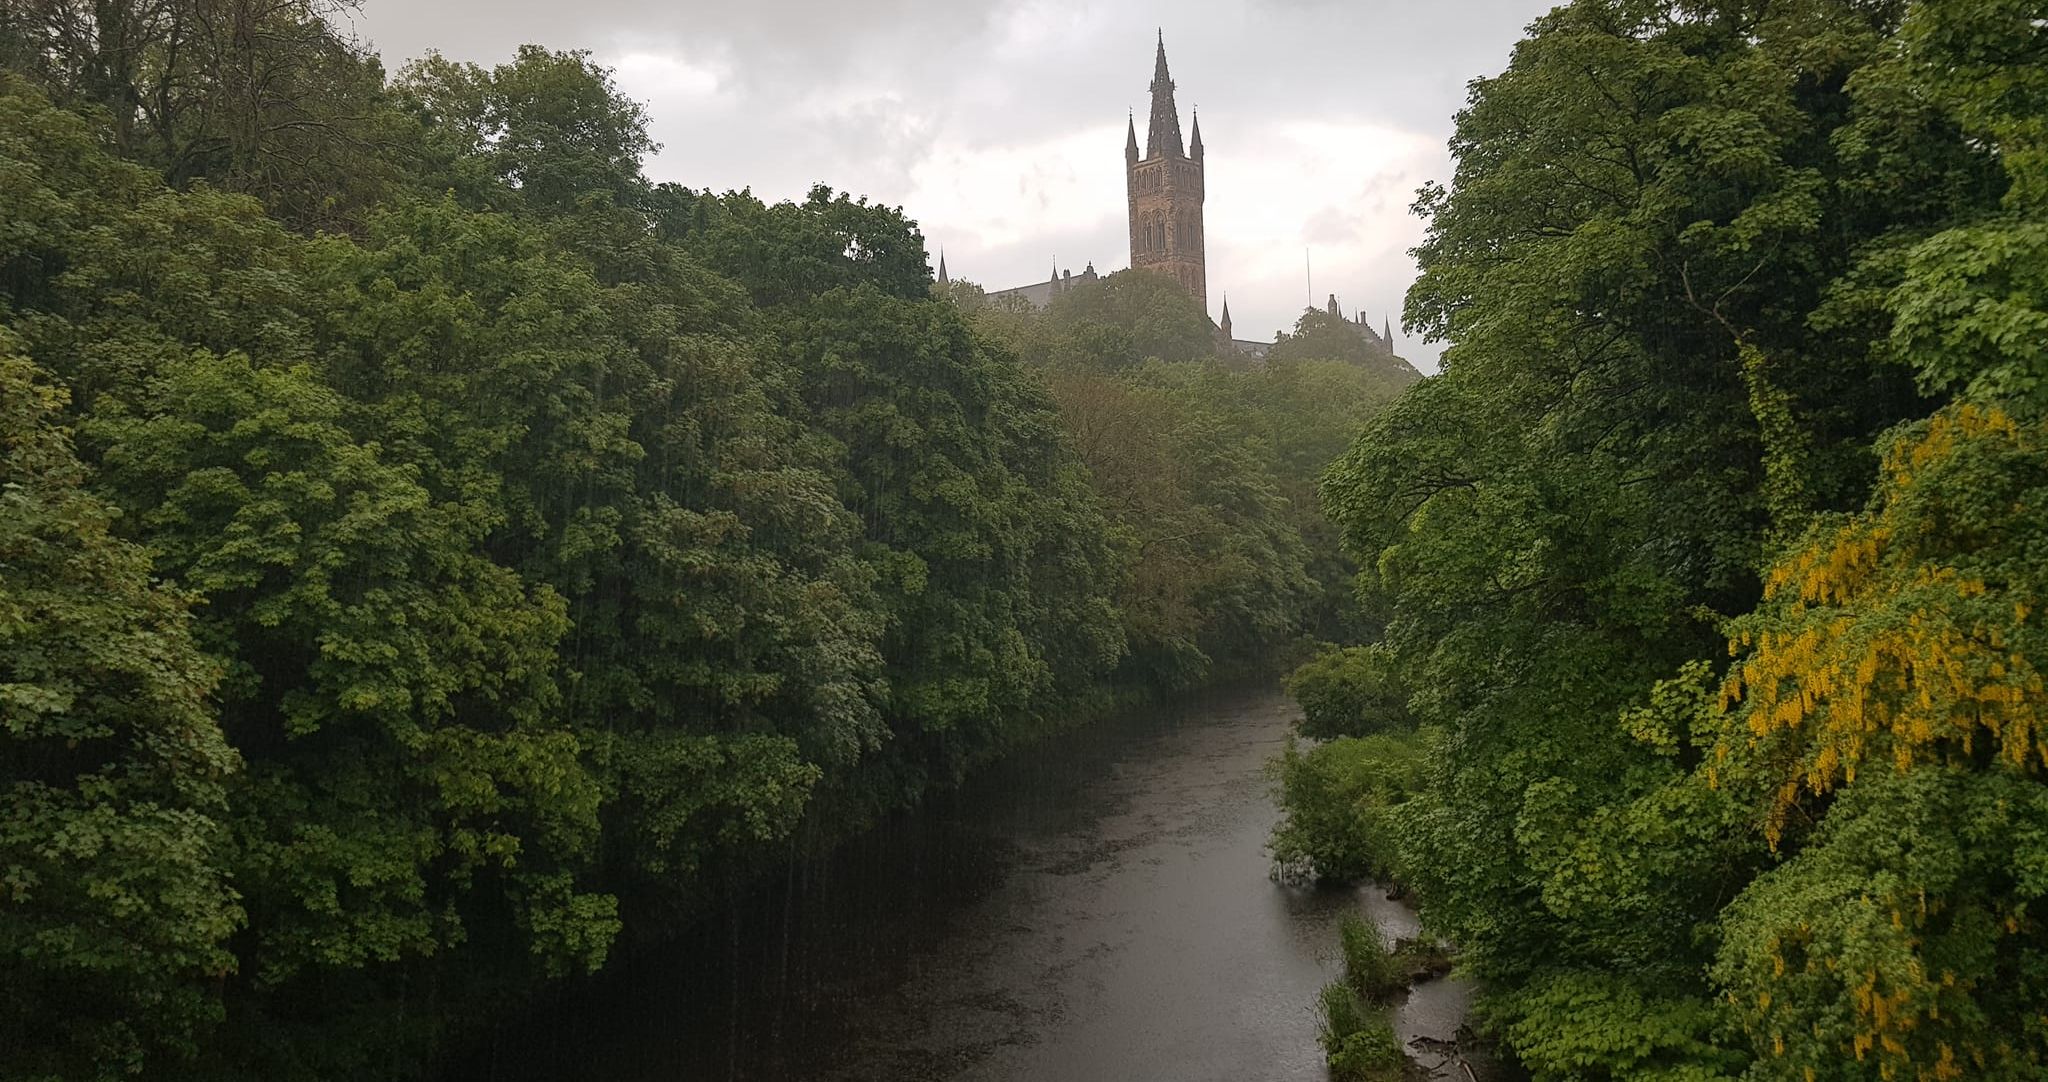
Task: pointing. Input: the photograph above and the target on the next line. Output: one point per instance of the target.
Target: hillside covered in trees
(431, 552)
(1708, 721)
(433, 555)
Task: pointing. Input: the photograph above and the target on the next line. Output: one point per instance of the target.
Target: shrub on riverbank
(1372, 967)
(1339, 800)
(1357, 1038)
(1358, 1041)
(1351, 691)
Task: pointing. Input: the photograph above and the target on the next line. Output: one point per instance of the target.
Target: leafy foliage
(559, 548)
(269, 99)
(1207, 473)
(1341, 801)
(1689, 261)
(1358, 1042)
(1357, 1037)
(1352, 691)
(1577, 1024)
(115, 902)
(1891, 697)
(1118, 321)
(1320, 336)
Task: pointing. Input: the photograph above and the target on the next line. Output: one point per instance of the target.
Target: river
(1094, 909)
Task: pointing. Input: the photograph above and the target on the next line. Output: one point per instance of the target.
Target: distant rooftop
(1040, 294)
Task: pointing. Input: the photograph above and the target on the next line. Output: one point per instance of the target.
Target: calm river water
(1095, 909)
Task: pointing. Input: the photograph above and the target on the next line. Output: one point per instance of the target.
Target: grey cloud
(1330, 225)
(1400, 61)
(772, 38)
(861, 94)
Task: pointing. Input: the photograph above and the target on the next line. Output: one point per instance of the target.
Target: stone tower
(1165, 188)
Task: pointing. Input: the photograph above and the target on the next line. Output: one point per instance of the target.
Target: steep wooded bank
(431, 550)
(1714, 560)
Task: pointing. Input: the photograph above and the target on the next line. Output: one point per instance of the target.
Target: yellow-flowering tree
(1888, 723)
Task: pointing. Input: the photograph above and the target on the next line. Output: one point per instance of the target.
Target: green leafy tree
(548, 128)
(1126, 318)
(1340, 800)
(788, 252)
(263, 97)
(1217, 580)
(617, 442)
(392, 688)
(985, 536)
(1667, 268)
(115, 896)
(1320, 336)
(372, 651)
(1350, 691)
(1305, 413)
(1209, 473)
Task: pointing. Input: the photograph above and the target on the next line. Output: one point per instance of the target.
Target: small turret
(1131, 141)
(1195, 139)
(1224, 323)
(943, 280)
(1388, 338)
(1333, 309)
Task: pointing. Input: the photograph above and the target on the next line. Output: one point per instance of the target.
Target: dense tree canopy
(1713, 551)
(434, 550)
(1207, 467)
(115, 905)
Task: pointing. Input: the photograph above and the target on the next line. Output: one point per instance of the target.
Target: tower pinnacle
(1163, 137)
(1195, 136)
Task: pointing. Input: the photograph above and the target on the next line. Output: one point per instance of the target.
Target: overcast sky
(999, 127)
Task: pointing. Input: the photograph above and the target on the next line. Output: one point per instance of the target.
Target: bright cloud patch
(666, 78)
(997, 197)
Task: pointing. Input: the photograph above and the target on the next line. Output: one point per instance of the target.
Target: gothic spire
(1163, 139)
(1131, 138)
(942, 267)
(1389, 339)
(1195, 137)
(1224, 322)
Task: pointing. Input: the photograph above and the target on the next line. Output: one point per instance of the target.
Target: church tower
(1165, 189)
